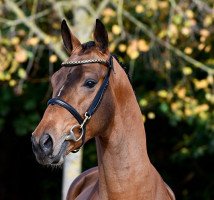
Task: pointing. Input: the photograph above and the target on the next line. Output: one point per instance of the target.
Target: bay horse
(93, 97)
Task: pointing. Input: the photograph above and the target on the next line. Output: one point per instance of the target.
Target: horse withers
(92, 97)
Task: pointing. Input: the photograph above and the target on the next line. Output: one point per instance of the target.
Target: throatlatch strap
(68, 107)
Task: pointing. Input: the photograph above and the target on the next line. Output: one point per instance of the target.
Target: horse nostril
(46, 144)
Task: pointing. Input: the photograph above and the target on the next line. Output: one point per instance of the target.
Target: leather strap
(67, 106)
(97, 99)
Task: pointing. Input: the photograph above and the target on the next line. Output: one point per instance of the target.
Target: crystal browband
(71, 63)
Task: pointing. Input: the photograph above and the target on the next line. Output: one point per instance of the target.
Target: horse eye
(90, 83)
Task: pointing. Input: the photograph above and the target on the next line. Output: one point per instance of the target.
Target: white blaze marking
(60, 90)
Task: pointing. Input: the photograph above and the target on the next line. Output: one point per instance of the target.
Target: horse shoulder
(84, 185)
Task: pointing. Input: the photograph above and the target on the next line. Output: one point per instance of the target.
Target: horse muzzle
(44, 150)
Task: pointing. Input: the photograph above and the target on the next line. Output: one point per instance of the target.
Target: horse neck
(122, 156)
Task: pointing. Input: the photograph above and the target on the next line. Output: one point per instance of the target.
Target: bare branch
(58, 7)
(30, 18)
(203, 6)
(175, 50)
(96, 14)
(35, 29)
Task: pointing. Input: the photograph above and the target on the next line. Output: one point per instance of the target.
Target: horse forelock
(88, 45)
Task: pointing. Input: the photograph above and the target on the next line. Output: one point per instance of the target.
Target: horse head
(78, 90)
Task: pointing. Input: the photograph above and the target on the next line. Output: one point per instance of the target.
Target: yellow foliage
(110, 37)
(143, 45)
(54, 39)
(56, 25)
(5, 76)
(201, 46)
(33, 41)
(190, 22)
(210, 61)
(210, 79)
(204, 32)
(162, 33)
(186, 31)
(13, 67)
(144, 118)
(21, 55)
(143, 102)
(111, 47)
(188, 112)
(201, 108)
(176, 105)
(133, 54)
(184, 150)
(122, 47)
(139, 8)
(192, 109)
(210, 97)
(188, 50)
(168, 64)
(207, 21)
(172, 30)
(202, 39)
(151, 115)
(163, 4)
(162, 93)
(15, 40)
(200, 84)
(152, 4)
(2, 76)
(53, 58)
(181, 93)
(106, 19)
(132, 51)
(116, 29)
(21, 73)
(187, 70)
(109, 12)
(12, 83)
(47, 40)
(208, 48)
(203, 115)
(5, 58)
(21, 32)
(189, 14)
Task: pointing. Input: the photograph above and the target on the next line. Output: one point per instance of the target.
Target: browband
(80, 62)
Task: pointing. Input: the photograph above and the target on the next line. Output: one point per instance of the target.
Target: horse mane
(124, 67)
(88, 45)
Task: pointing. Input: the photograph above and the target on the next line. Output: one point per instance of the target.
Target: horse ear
(69, 40)
(100, 36)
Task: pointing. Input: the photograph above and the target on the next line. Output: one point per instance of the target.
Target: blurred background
(167, 46)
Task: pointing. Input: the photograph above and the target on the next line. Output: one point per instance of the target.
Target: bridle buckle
(87, 117)
(81, 127)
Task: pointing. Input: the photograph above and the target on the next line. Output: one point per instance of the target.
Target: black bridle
(94, 105)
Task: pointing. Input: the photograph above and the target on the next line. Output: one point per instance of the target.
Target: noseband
(92, 108)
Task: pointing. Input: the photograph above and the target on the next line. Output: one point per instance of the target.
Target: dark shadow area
(21, 177)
